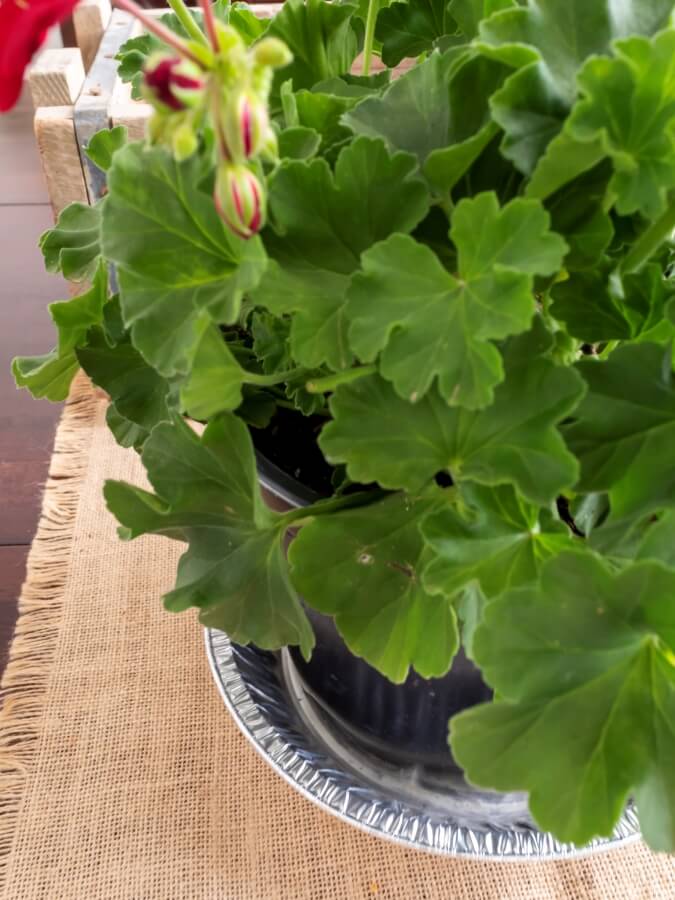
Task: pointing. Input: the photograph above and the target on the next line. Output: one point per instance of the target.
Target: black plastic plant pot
(403, 724)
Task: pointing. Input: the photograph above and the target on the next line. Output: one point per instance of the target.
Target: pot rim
(261, 705)
(282, 485)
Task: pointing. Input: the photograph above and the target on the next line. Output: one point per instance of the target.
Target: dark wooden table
(26, 425)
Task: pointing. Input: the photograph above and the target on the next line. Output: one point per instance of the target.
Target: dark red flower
(173, 81)
(23, 28)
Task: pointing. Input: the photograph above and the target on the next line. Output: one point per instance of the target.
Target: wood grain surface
(26, 425)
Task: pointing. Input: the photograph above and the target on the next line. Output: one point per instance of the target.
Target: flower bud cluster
(245, 132)
(176, 88)
(232, 91)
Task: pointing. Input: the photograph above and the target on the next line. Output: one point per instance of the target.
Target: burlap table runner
(122, 775)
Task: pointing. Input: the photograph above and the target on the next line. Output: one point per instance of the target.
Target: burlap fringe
(26, 677)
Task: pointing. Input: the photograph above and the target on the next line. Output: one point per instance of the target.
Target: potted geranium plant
(442, 304)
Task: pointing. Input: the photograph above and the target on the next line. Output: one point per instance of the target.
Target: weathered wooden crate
(90, 20)
(76, 95)
(74, 100)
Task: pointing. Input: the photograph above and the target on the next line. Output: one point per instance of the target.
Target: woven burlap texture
(123, 775)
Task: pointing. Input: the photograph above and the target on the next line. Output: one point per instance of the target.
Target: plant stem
(650, 240)
(216, 108)
(330, 382)
(210, 23)
(163, 33)
(371, 20)
(188, 23)
(363, 498)
(607, 349)
(285, 404)
(275, 378)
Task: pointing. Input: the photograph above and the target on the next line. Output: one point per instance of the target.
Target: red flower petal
(165, 75)
(246, 127)
(256, 219)
(23, 28)
(159, 78)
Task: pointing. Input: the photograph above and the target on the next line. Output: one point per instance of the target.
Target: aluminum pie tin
(266, 698)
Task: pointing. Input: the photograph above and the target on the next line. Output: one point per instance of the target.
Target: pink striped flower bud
(239, 199)
(245, 125)
(173, 82)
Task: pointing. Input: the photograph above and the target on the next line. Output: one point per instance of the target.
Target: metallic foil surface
(266, 698)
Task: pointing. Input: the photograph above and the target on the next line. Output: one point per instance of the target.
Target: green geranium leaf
(648, 297)
(468, 14)
(625, 427)
(658, 542)
(131, 58)
(271, 345)
(355, 86)
(597, 307)
(492, 537)
(207, 494)
(438, 110)
(590, 654)
(564, 160)
(588, 305)
(629, 104)
(431, 324)
(257, 407)
(410, 28)
(299, 142)
(530, 112)
(179, 267)
(578, 214)
(383, 438)
(618, 539)
(322, 108)
(271, 341)
(125, 432)
(51, 375)
(548, 41)
(317, 245)
(375, 556)
(321, 38)
(240, 16)
(139, 393)
(215, 381)
(73, 245)
(470, 606)
(322, 113)
(105, 144)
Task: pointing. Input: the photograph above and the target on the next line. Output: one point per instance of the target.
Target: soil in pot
(290, 442)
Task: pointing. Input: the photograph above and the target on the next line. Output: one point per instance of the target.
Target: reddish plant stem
(209, 23)
(223, 152)
(162, 32)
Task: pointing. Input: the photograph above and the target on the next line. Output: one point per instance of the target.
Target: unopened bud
(270, 146)
(245, 125)
(229, 39)
(173, 82)
(261, 81)
(272, 52)
(184, 141)
(239, 199)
